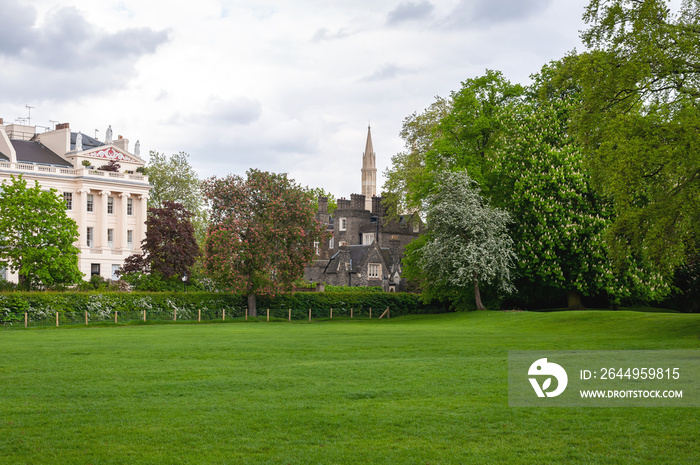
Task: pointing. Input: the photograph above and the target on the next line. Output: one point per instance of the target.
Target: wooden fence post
(25, 319)
(56, 318)
(370, 313)
(351, 313)
(85, 317)
(388, 313)
(268, 315)
(199, 315)
(385, 312)
(144, 314)
(290, 315)
(309, 315)
(175, 314)
(115, 316)
(331, 313)
(223, 317)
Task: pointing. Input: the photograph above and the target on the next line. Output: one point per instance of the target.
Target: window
(330, 243)
(90, 203)
(115, 268)
(343, 224)
(110, 205)
(130, 239)
(110, 238)
(375, 270)
(90, 237)
(95, 269)
(130, 207)
(68, 198)
(316, 248)
(416, 227)
(367, 238)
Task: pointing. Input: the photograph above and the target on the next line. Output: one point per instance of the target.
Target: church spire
(369, 171)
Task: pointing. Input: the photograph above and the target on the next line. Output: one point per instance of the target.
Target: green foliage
(559, 220)
(173, 179)
(156, 282)
(42, 306)
(353, 289)
(452, 134)
(317, 192)
(408, 181)
(639, 121)
(37, 236)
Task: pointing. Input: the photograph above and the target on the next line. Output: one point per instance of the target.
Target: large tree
(262, 233)
(170, 248)
(173, 179)
(36, 236)
(467, 244)
(640, 121)
(559, 220)
(452, 134)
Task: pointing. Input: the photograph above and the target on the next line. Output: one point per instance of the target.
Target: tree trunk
(477, 294)
(23, 282)
(252, 309)
(573, 298)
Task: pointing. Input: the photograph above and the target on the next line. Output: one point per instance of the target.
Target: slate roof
(88, 142)
(34, 152)
(357, 255)
(4, 157)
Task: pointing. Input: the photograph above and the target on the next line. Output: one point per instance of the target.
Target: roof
(357, 256)
(34, 152)
(4, 157)
(88, 142)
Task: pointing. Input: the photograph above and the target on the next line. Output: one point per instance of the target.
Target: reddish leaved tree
(170, 247)
(262, 233)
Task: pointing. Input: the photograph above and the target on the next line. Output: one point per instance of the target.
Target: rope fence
(86, 318)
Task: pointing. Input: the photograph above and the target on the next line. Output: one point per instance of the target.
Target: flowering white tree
(467, 243)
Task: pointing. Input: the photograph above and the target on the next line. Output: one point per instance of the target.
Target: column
(123, 222)
(101, 230)
(80, 205)
(141, 212)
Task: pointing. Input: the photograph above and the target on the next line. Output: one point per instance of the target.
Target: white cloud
(277, 85)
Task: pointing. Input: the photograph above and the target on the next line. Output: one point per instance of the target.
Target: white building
(109, 207)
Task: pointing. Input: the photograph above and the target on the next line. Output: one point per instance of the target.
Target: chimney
(343, 204)
(2, 121)
(357, 201)
(322, 204)
(377, 207)
(121, 143)
(63, 126)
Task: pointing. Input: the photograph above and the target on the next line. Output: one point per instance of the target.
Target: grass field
(411, 390)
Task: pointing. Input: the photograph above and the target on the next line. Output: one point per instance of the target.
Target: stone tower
(369, 172)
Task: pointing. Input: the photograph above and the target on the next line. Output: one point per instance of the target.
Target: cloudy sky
(279, 85)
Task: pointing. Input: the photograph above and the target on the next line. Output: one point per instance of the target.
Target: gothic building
(367, 244)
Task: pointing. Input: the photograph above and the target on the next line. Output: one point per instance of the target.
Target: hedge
(72, 306)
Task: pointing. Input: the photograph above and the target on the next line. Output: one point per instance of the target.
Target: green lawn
(410, 390)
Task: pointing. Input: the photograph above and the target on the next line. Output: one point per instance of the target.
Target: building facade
(367, 244)
(109, 207)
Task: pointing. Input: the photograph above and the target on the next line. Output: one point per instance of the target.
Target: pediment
(109, 152)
